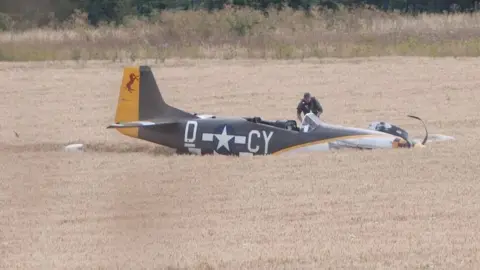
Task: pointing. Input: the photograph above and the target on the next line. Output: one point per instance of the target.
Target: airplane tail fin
(140, 100)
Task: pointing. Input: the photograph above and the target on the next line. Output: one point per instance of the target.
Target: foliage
(247, 33)
(6, 22)
(44, 12)
(132, 29)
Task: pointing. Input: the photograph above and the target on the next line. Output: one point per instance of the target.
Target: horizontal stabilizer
(145, 123)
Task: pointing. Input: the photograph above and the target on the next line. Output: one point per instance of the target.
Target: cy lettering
(253, 146)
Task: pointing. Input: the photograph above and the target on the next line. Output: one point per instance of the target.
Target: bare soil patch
(130, 204)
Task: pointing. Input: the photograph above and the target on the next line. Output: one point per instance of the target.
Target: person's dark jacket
(312, 106)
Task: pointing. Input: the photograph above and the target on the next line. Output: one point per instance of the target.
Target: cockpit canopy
(389, 128)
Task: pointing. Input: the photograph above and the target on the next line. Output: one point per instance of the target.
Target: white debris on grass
(77, 147)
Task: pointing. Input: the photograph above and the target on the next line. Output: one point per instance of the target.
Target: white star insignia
(223, 139)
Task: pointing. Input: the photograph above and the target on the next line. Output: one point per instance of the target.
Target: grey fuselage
(244, 136)
(143, 113)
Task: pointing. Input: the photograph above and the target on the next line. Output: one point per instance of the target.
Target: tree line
(40, 12)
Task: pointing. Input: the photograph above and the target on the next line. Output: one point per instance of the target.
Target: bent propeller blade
(424, 126)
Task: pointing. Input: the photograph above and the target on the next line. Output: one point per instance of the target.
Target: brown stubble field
(128, 204)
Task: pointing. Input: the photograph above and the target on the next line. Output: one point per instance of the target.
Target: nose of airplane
(418, 145)
(400, 143)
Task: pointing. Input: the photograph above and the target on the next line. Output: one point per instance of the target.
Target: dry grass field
(245, 33)
(128, 204)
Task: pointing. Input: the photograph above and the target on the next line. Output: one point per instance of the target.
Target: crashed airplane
(143, 114)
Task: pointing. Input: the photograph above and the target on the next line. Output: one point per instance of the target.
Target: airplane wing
(145, 123)
(434, 138)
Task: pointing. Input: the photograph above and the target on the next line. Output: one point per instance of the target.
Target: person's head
(307, 97)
